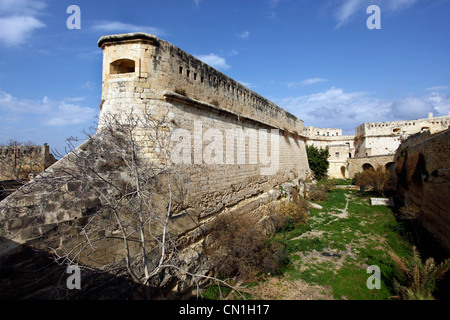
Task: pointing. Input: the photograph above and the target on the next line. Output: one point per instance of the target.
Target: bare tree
(129, 190)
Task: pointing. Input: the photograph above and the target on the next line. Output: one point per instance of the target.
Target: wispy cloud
(69, 114)
(197, 3)
(411, 108)
(22, 7)
(17, 30)
(273, 3)
(395, 5)
(346, 9)
(45, 112)
(214, 61)
(247, 84)
(243, 35)
(88, 85)
(18, 20)
(337, 108)
(306, 82)
(438, 88)
(117, 26)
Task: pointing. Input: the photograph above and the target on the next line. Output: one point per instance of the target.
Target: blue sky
(315, 58)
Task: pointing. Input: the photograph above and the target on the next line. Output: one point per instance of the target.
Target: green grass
(370, 232)
(363, 238)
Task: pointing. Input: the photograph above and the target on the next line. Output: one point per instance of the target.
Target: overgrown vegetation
(242, 249)
(375, 180)
(318, 161)
(418, 279)
(181, 91)
(319, 192)
(328, 254)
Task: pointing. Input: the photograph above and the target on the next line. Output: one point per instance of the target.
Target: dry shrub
(242, 249)
(215, 103)
(328, 184)
(297, 211)
(180, 91)
(317, 194)
(373, 179)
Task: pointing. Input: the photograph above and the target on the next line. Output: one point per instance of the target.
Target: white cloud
(16, 30)
(117, 26)
(243, 35)
(13, 105)
(438, 88)
(45, 112)
(411, 108)
(306, 82)
(18, 20)
(440, 102)
(22, 7)
(70, 114)
(335, 108)
(346, 11)
(214, 61)
(247, 84)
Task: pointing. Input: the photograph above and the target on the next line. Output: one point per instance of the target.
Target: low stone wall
(17, 162)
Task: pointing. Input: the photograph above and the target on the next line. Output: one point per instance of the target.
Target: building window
(181, 70)
(336, 154)
(122, 66)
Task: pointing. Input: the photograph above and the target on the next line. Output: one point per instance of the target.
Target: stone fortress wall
(374, 143)
(162, 78)
(156, 66)
(380, 138)
(422, 171)
(144, 75)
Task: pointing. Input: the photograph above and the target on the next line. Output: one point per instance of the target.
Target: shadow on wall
(30, 274)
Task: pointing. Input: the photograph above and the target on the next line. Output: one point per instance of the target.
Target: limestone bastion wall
(142, 76)
(422, 168)
(207, 106)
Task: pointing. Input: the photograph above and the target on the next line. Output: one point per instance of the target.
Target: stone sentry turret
(138, 67)
(145, 74)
